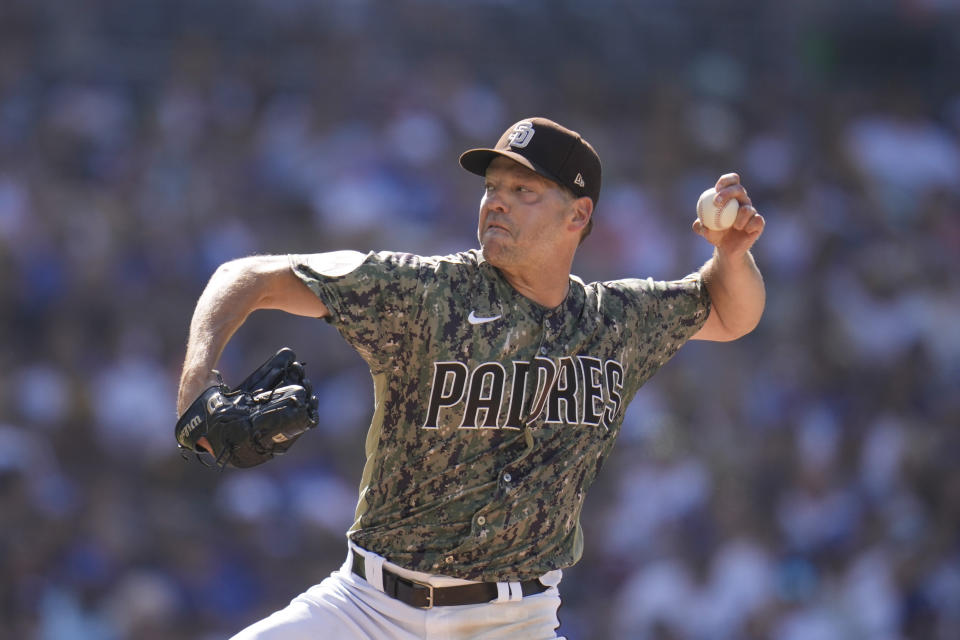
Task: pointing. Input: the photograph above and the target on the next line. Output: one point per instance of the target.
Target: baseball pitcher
(500, 383)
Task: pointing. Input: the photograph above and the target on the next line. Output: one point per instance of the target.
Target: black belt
(426, 596)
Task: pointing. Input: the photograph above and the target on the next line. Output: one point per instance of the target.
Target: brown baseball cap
(547, 148)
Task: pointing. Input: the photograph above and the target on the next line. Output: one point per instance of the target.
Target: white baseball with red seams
(714, 217)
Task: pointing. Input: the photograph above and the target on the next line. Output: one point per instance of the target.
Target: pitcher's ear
(582, 211)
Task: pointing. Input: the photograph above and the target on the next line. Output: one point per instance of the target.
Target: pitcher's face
(522, 214)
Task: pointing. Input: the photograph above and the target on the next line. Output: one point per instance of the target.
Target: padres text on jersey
(571, 389)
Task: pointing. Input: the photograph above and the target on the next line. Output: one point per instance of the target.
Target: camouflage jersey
(493, 414)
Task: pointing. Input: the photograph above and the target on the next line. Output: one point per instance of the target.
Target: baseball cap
(547, 148)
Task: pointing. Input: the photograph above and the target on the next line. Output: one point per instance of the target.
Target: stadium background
(801, 484)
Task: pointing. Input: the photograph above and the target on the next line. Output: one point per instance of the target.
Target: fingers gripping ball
(259, 419)
(714, 217)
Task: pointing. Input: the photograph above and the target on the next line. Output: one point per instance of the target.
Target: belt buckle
(430, 588)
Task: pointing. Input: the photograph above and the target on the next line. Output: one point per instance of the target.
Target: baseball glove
(259, 419)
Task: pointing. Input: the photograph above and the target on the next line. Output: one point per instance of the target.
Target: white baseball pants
(346, 607)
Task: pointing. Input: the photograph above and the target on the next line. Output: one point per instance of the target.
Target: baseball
(712, 216)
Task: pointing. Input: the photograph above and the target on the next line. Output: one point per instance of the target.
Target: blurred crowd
(799, 484)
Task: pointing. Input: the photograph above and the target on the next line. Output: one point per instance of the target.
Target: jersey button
(507, 477)
(448, 560)
(481, 521)
(543, 350)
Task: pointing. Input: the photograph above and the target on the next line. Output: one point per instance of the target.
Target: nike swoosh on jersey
(473, 318)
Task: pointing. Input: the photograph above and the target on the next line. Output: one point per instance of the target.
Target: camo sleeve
(372, 298)
(658, 317)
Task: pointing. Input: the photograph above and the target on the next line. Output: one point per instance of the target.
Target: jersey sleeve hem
(327, 295)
